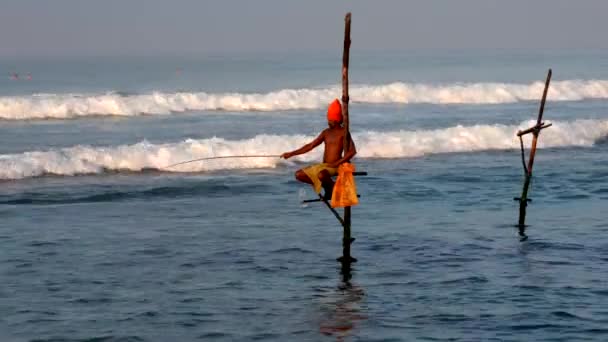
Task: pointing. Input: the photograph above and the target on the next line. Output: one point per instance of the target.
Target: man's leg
(327, 182)
(303, 177)
(324, 177)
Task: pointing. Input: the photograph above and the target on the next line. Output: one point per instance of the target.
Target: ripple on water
(291, 250)
(572, 197)
(465, 280)
(196, 322)
(600, 292)
(209, 189)
(214, 335)
(539, 326)
(391, 274)
(198, 263)
(264, 337)
(565, 315)
(92, 301)
(93, 339)
(42, 244)
(600, 191)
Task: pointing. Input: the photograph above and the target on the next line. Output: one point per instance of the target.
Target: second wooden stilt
(523, 200)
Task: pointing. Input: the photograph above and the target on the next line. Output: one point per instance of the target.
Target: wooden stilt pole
(346, 238)
(523, 200)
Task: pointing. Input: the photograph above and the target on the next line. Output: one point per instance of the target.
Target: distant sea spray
(394, 144)
(69, 106)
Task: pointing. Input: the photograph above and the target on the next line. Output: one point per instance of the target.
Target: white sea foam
(397, 144)
(65, 106)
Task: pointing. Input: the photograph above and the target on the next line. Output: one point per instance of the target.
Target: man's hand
(286, 155)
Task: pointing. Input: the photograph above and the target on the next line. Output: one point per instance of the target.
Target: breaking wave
(67, 106)
(396, 144)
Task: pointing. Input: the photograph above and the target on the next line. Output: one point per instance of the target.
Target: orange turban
(334, 112)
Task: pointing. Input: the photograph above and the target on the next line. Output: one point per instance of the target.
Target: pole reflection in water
(341, 309)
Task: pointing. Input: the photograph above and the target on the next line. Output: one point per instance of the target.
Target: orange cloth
(334, 111)
(345, 189)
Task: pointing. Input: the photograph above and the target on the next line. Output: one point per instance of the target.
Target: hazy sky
(204, 27)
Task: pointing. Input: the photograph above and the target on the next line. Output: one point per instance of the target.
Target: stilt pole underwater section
(346, 238)
(523, 200)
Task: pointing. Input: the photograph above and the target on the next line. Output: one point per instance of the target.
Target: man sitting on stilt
(319, 175)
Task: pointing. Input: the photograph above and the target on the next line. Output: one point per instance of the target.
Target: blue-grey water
(100, 242)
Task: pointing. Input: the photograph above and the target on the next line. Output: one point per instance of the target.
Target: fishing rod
(223, 157)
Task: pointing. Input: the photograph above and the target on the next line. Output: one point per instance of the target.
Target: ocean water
(101, 241)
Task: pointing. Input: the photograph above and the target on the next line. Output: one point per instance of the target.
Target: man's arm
(306, 148)
(348, 155)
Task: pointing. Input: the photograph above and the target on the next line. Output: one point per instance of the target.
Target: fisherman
(319, 175)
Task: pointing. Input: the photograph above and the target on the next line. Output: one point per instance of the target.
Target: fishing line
(223, 157)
